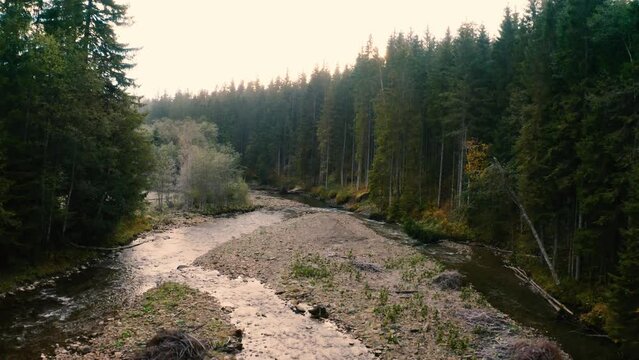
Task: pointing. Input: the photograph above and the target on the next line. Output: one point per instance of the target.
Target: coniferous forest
(545, 112)
(525, 140)
(73, 161)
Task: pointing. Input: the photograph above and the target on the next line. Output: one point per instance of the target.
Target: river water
(32, 322)
(485, 271)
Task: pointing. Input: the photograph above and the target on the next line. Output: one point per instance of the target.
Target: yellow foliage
(476, 158)
(597, 316)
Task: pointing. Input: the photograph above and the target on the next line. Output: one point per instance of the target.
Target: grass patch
(406, 262)
(311, 267)
(449, 334)
(165, 297)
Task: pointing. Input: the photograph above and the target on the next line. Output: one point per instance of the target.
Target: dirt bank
(388, 295)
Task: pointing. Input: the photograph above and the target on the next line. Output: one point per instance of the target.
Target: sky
(194, 45)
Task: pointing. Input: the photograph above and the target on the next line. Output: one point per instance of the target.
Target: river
(32, 322)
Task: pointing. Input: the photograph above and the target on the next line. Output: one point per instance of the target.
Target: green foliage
(311, 267)
(449, 334)
(129, 228)
(423, 232)
(434, 227)
(192, 168)
(553, 96)
(624, 292)
(167, 296)
(74, 161)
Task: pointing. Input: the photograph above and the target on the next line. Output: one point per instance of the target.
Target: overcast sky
(200, 44)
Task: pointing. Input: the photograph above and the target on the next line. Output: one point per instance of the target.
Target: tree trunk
(68, 203)
(328, 154)
(460, 172)
(368, 155)
(441, 173)
(353, 160)
(341, 169)
(540, 243)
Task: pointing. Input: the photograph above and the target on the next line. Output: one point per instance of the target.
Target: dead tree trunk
(515, 199)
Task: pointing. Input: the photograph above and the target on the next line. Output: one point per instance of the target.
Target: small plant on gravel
(311, 267)
(423, 311)
(358, 276)
(469, 295)
(368, 292)
(405, 262)
(121, 340)
(418, 306)
(389, 313)
(383, 297)
(391, 338)
(168, 296)
(449, 334)
(480, 330)
(466, 293)
(409, 275)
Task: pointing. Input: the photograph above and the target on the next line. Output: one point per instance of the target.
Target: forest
(74, 163)
(444, 130)
(450, 136)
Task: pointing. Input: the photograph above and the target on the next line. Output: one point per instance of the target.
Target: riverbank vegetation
(193, 171)
(75, 162)
(553, 97)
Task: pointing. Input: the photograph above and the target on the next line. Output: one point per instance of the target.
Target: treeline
(553, 97)
(73, 162)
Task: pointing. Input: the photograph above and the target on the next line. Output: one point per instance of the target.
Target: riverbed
(32, 322)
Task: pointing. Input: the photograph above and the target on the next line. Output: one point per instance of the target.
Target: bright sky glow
(200, 44)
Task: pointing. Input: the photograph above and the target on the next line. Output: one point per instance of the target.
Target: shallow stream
(32, 322)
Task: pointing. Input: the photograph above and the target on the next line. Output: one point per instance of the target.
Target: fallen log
(554, 303)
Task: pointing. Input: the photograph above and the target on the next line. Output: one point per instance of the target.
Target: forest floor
(319, 284)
